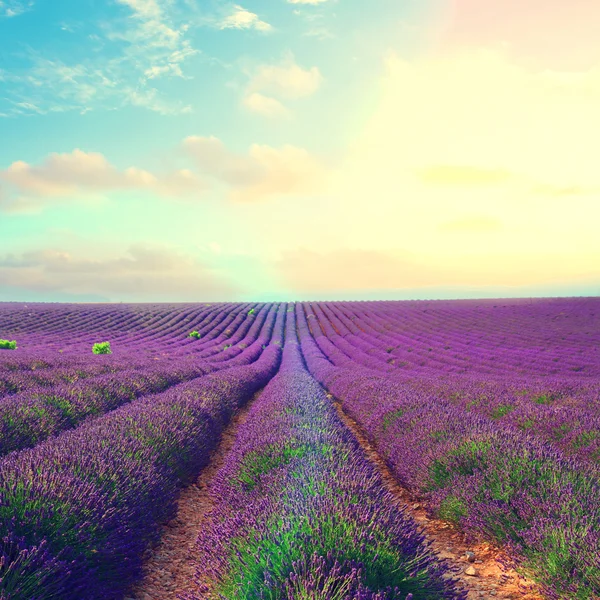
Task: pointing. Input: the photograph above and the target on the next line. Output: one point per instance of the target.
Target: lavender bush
(487, 410)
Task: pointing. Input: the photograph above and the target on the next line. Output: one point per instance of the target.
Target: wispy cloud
(241, 18)
(146, 9)
(81, 176)
(154, 39)
(14, 8)
(150, 98)
(147, 43)
(316, 19)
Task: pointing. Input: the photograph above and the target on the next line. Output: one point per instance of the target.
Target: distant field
(487, 412)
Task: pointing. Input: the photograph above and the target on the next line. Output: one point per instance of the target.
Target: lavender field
(486, 412)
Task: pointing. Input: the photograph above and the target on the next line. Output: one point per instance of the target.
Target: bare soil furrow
(486, 576)
(171, 568)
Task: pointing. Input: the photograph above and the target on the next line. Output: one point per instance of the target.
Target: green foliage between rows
(501, 484)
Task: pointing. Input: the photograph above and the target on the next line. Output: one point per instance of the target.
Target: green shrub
(6, 345)
(251, 311)
(195, 335)
(102, 348)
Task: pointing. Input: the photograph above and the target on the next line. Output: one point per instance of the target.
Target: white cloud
(158, 71)
(146, 9)
(81, 174)
(264, 105)
(313, 2)
(350, 270)
(14, 8)
(213, 158)
(286, 80)
(263, 172)
(241, 18)
(270, 83)
(160, 272)
(154, 39)
(87, 177)
(150, 99)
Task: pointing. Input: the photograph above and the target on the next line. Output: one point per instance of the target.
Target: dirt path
(171, 567)
(490, 579)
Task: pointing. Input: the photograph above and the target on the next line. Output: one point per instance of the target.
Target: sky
(192, 150)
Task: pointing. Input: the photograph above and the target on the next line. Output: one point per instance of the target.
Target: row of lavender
(558, 335)
(78, 511)
(541, 340)
(78, 528)
(462, 444)
(446, 421)
(30, 417)
(65, 327)
(17, 369)
(149, 329)
(561, 410)
(301, 513)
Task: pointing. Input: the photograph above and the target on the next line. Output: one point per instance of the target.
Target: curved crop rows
(28, 418)
(293, 508)
(67, 532)
(515, 457)
(487, 411)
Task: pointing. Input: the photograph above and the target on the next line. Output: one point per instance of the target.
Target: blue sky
(180, 150)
